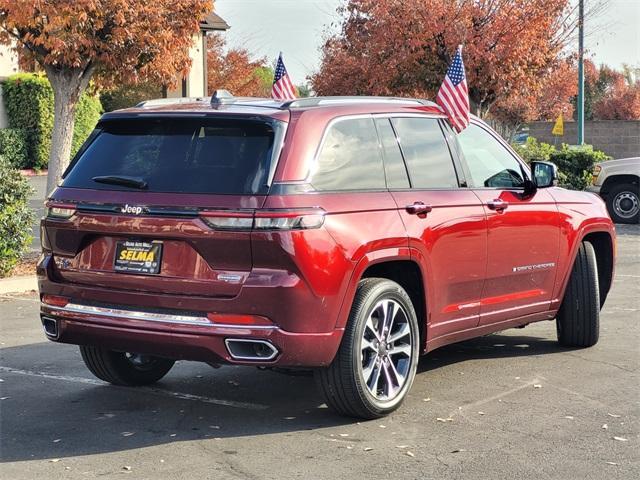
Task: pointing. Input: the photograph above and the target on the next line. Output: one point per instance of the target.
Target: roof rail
(156, 102)
(315, 101)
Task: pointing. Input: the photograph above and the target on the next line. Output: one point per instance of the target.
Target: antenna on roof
(221, 97)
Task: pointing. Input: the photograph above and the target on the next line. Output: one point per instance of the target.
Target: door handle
(497, 205)
(418, 208)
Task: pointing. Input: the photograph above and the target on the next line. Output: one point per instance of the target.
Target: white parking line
(155, 391)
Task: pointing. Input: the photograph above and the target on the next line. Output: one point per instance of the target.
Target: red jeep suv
(344, 235)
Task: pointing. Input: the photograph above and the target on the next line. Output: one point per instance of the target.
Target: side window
(490, 163)
(394, 167)
(426, 152)
(350, 158)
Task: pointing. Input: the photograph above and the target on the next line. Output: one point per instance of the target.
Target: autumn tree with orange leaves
(75, 41)
(554, 98)
(396, 47)
(233, 70)
(610, 94)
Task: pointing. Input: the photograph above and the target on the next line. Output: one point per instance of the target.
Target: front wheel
(578, 320)
(123, 368)
(377, 359)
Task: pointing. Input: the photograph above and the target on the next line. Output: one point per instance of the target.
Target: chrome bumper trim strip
(149, 316)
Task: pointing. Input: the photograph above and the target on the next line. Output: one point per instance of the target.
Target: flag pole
(581, 73)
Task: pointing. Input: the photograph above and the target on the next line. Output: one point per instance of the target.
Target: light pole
(581, 73)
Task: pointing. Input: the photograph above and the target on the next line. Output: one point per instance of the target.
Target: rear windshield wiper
(133, 182)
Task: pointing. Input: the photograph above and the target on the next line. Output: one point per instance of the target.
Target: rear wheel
(123, 368)
(376, 363)
(578, 320)
(623, 203)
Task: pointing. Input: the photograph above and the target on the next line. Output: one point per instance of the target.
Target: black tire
(578, 320)
(343, 383)
(121, 368)
(623, 203)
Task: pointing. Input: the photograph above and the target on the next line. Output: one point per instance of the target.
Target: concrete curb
(30, 172)
(19, 284)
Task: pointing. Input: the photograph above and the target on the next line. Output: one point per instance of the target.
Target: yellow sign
(558, 128)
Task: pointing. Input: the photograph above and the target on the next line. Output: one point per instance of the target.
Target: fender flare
(585, 229)
(368, 259)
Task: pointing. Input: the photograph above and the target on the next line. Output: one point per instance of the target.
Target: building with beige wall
(8, 66)
(195, 83)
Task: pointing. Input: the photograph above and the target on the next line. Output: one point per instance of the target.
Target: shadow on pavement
(54, 418)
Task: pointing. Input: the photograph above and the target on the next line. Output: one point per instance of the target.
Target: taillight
(59, 210)
(55, 301)
(232, 319)
(288, 219)
(285, 219)
(228, 220)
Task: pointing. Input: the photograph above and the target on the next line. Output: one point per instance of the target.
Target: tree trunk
(67, 87)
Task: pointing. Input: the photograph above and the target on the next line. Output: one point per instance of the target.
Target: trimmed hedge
(13, 146)
(16, 218)
(533, 150)
(88, 113)
(126, 96)
(575, 164)
(28, 100)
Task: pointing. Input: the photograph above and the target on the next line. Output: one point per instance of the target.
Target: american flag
(453, 95)
(282, 88)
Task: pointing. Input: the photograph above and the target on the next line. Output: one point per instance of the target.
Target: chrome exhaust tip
(253, 350)
(50, 327)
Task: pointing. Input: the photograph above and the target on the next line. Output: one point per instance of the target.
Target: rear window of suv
(179, 155)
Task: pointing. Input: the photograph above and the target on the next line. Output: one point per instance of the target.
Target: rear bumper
(594, 189)
(186, 337)
(189, 342)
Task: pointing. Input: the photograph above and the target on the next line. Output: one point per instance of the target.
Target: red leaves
(234, 70)
(400, 47)
(129, 39)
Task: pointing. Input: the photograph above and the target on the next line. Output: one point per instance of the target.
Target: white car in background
(616, 181)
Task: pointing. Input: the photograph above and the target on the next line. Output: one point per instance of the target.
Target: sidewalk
(18, 284)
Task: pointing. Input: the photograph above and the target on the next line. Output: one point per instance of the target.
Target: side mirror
(544, 174)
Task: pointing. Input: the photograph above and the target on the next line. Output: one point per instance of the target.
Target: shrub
(575, 165)
(533, 150)
(28, 99)
(13, 147)
(16, 218)
(88, 113)
(127, 96)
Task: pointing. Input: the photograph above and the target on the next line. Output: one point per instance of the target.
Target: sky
(297, 28)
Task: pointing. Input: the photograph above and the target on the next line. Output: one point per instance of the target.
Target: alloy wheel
(386, 347)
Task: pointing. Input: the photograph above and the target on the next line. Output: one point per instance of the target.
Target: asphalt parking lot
(511, 405)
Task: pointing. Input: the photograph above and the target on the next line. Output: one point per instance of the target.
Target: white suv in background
(616, 181)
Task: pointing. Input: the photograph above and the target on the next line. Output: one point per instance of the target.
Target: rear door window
(349, 158)
(179, 155)
(426, 153)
